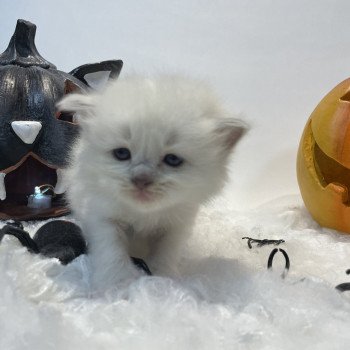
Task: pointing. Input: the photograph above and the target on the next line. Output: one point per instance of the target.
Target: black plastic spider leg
(343, 287)
(21, 235)
(249, 240)
(262, 242)
(141, 265)
(287, 264)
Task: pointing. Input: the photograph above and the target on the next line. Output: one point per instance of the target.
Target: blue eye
(121, 153)
(172, 160)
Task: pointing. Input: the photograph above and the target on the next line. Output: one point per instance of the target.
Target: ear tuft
(230, 131)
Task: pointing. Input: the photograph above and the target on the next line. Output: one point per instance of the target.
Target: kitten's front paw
(164, 268)
(102, 281)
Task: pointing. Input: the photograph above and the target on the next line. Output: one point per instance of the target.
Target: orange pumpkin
(323, 163)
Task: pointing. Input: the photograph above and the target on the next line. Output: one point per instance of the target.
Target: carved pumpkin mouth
(24, 176)
(18, 184)
(330, 171)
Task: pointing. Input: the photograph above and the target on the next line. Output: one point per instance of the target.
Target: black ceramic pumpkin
(35, 138)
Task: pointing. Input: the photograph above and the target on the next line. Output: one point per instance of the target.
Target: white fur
(152, 118)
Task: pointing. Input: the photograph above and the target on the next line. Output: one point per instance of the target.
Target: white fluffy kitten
(151, 151)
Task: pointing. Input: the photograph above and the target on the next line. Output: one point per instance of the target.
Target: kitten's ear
(230, 131)
(81, 104)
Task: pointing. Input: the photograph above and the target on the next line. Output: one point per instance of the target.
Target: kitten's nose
(142, 181)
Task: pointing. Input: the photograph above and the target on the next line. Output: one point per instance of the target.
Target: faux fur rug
(225, 299)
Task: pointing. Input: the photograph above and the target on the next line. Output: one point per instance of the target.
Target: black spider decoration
(59, 239)
(263, 242)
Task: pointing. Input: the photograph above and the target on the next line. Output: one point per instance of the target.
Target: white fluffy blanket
(225, 298)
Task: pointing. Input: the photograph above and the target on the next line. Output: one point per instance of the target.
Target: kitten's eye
(172, 160)
(122, 153)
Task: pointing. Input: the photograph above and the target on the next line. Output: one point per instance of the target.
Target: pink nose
(142, 181)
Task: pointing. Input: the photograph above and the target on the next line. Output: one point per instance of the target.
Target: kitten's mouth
(143, 195)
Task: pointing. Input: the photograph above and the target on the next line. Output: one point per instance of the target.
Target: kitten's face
(153, 145)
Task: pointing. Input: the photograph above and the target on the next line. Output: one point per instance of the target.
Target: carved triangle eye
(70, 87)
(346, 97)
(68, 117)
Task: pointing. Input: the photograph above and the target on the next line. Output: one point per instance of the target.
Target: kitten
(151, 151)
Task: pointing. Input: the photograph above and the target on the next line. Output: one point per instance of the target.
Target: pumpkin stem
(21, 50)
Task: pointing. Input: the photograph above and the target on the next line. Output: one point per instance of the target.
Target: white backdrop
(272, 60)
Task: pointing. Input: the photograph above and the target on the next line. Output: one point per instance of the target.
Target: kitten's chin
(143, 196)
(145, 200)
